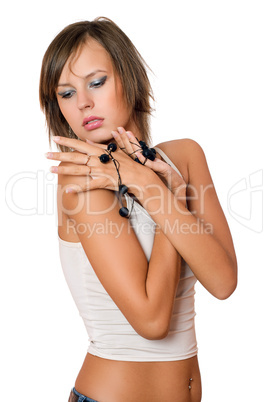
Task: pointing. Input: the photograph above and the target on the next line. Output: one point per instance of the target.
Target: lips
(92, 122)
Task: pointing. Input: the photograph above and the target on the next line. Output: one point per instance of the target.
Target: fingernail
(54, 169)
(69, 190)
(114, 134)
(49, 155)
(120, 130)
(128, 134)
(56, 139)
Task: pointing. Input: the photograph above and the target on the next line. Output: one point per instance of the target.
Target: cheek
(121, 107)
(67, 110)
(61, 106)
(117, 99)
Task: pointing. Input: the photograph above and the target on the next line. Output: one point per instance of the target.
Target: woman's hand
(127, 142)
(90, 172)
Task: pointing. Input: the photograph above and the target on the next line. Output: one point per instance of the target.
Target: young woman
(135, 232)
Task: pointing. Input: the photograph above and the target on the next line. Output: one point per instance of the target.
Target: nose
(84, 100)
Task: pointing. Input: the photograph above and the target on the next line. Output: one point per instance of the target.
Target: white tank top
(110, 334)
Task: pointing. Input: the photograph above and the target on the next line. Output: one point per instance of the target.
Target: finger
(134, 142)
(143, 160)
(130, 146)
(75, 170)
(79, 145)
(73, 157)
(157, 165)
(119, 140)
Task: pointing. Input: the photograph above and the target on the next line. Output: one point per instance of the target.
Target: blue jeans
(77, 397)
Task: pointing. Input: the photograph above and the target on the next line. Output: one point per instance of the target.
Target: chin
(99, 138)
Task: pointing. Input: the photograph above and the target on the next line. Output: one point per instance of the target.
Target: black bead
(143, 145)
(123, 212)
(123, 189)
(153, 150)
(151, 157)
(149, 154)
(112, 147)
(104, 158)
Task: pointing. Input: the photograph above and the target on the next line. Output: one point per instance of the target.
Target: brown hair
(126, 60)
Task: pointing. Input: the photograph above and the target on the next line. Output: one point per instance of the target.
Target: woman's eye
(98, 83)
(66, 95)
(92, 85)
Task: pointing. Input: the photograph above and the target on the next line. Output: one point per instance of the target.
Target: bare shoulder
(185, 154)
(180, 147)
(85, 206)
(97, 200)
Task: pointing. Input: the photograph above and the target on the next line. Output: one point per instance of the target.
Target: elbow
(155, 330)
(228, 286)
(154, 335)
(225, 292)
(159, 333)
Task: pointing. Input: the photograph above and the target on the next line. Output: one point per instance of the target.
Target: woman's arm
(201, 236)
(199, 232)
(144, 292)
(209, 223)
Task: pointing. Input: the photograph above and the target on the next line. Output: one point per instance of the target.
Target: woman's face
(90, 95)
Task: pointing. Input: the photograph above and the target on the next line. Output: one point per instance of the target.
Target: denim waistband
(83, 398)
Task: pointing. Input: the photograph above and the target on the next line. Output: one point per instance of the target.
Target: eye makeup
(66, 94)
(98, 83)
(92, 85)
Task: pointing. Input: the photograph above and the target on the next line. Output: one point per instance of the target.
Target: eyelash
(98, 83)
(93, 85)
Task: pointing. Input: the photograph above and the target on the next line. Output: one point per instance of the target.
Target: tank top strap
(166, 159)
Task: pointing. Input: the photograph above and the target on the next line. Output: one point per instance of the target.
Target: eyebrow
(67, 84)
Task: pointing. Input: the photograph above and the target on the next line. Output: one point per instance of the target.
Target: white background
(210, 66)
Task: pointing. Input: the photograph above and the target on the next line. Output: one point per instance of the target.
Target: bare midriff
(118, 381)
